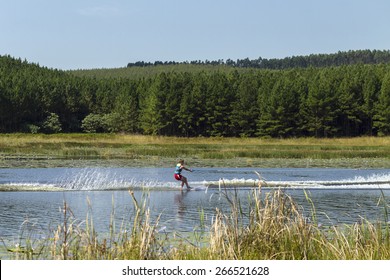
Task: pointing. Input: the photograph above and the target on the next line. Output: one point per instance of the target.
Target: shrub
(52, 124)
(93, 123)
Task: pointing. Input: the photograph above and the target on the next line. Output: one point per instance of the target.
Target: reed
(140, 241)
(274, 228)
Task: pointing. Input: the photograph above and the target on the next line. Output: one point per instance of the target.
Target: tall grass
(272, 227)
(278, 230)
(140, 241)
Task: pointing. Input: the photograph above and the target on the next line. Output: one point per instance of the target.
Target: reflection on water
(346, 201)
(180, 211)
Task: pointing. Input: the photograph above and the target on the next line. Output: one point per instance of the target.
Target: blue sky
(83, 34)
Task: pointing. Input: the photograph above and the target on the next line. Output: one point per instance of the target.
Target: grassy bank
(137, 150)
(272, 228)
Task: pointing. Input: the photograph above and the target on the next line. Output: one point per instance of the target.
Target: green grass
(154, 151)
(273, 228)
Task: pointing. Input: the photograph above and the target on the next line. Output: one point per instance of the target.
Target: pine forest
(342, 95)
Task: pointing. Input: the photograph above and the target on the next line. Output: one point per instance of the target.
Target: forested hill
(313, 60)
(142, 69)
(342, 101)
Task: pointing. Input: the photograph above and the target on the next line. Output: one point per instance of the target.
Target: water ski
(197, 188)
(189, 189)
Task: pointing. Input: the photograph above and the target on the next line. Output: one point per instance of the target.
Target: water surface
(339, 195)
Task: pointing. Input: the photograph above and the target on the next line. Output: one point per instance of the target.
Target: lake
(339, 195)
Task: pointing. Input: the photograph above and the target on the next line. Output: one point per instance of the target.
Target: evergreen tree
(382, 117)
(265, 103)
(151, 119)
(192, 118)
(171, 93)
(219, 105)
(245, 112)
(349, 101)
(125, 116)
(321, 105)
(370, 92)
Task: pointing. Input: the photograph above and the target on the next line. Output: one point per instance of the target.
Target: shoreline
(121, 150)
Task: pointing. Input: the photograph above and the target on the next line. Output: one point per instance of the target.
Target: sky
(86, 34)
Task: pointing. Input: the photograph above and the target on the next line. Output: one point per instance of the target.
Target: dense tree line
(351, 100)
(313, 60)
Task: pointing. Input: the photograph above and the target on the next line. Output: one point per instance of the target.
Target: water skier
(179, 167)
